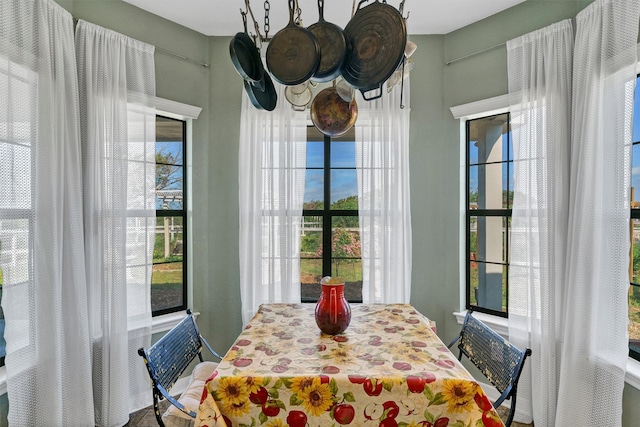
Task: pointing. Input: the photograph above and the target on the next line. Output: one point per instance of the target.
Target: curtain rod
(177, 55)
(474, 53)
(168, 52)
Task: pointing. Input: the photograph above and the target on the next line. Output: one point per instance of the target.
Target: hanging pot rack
(262, 36)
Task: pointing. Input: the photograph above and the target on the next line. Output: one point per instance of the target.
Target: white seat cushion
(190, 398)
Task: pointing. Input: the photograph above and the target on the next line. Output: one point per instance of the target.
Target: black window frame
(634, 215)
(326, 213)
(504, 213)
(161, 213)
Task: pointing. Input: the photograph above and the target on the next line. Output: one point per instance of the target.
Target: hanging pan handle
(360, 4)
(376, 96)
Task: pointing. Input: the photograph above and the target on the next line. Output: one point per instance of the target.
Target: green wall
(434, 146)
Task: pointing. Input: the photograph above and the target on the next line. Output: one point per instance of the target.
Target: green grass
(170, 273)
(349, 270)
(167, 286)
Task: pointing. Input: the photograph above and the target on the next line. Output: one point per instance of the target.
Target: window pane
(344, 189)
(170, 152)
(343, 154)
(487, 186)
(339, 255)
(166, 286)
(634, 318)
(636, 113)
(169, 163)
(311, 239)
(473, 283)
(488, 286)
(507, 147)
(315, 154)
(488, 141)
(169, 130)
(311, 257)
(169, 241)
(167, 277)
(170, 198)
(634, 291)
(346, 255)
(490, 241)
(507, 185)
(635, 253)
(314, 189)
(3, 343)
(635, 175)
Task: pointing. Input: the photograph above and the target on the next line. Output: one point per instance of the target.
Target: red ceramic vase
(333, 313)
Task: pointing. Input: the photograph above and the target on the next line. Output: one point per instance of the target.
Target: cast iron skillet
(246, 57)
(262, 99)
(293, 55)
(334, 48)
(378, 36)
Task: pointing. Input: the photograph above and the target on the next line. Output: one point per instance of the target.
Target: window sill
(633, 373)
(498, 324)
(159, 324)
(501, 326)
(167, 321)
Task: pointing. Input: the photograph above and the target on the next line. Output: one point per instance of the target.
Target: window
(634, 289)
(330, 232)
(168, 279)
(17, 212)
(488, 213)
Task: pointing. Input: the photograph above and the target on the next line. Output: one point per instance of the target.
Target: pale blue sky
(343, 181)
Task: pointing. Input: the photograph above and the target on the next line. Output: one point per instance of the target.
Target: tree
(346, 247)
(168, 169)
(169, 176)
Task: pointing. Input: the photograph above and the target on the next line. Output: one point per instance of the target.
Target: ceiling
(222, 17)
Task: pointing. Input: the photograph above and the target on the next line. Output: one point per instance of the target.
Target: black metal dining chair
(167, 359)
(499, 361)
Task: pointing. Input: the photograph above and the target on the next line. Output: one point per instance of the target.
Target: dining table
(388, 368)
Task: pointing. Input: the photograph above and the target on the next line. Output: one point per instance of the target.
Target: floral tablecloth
(387, 369)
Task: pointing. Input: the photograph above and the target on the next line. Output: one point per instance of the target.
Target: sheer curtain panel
(569, 301)
(44, 294)
(540, 96)
(117, 99)
(596, 346)
(384, 206)
(272, 161)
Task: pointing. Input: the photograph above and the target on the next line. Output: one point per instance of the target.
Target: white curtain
(76, 266)
(572, 105)
(272, 161)
(44, 295)
(117, 93)
(540, 95)
(595, 347)
(384, 206)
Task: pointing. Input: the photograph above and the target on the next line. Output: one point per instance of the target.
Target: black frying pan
(293, 54)
(246, 57)
(378, 36)
(262, 99)
(334, 47)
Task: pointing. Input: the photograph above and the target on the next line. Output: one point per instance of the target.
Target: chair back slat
(171, 355)
(498, 359)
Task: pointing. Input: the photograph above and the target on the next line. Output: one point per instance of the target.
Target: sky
(343, 181)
